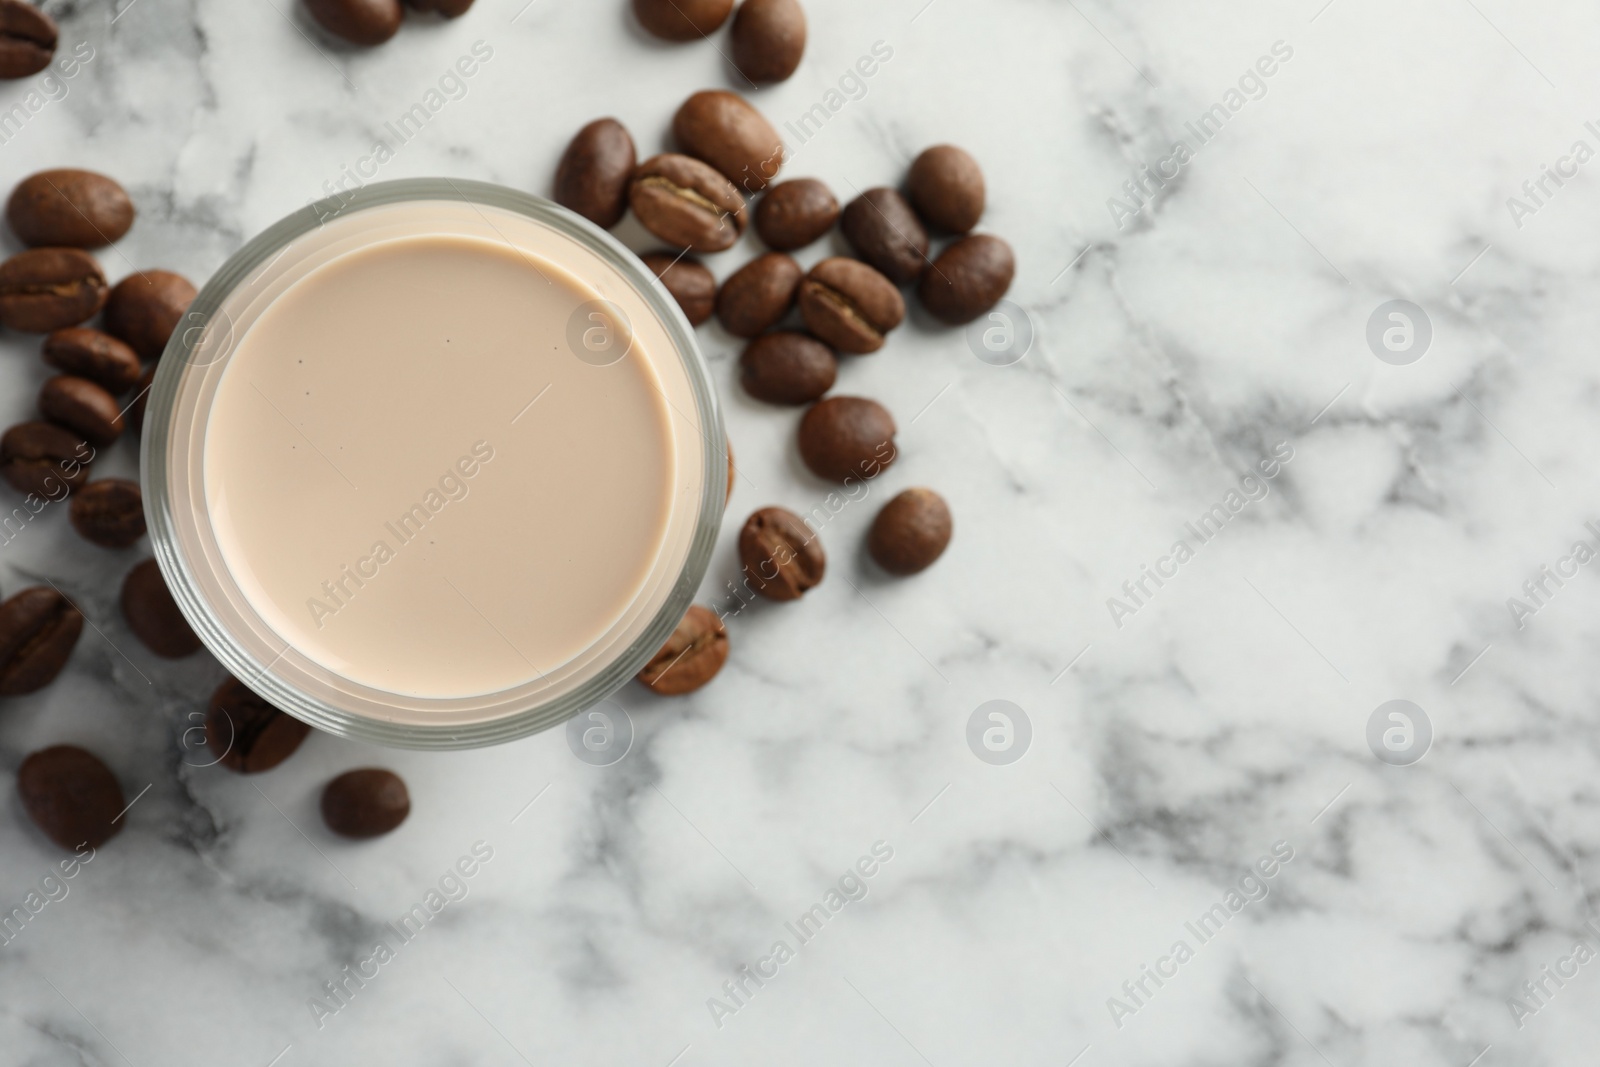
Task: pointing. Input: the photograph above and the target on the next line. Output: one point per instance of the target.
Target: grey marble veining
(1428, 914)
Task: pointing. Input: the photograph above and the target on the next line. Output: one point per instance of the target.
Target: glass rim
(155, 476)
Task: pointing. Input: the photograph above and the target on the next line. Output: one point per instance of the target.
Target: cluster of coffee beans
(55, 288)
(248, 735)
(695, 199)
(768, 36)
(372, 22)
(27, 39)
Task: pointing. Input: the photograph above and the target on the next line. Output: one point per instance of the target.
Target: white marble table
(1180, 340)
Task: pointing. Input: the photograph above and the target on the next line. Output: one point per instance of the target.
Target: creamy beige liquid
(417, 484)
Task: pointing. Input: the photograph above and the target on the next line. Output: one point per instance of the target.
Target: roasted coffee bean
(96, 356)
(724, 130)
(248, 735)
(787, 368)
(795, 213)
(691, 657)
(44, 460)
(910, 532)
(44, 289)
(71, 796)
(141, 394)
(691, 285)
(109, 512)
(686, 202)
(69, 209)
(146, 307)
(365, 803)
(80, 405)
(27, 39)
(153, 615)
(728, 495)
(850, 305)
(782, 557)
(682, 20)
(38, 630)
(758, 294)
(845, 437)
(967, 279)
(769, 37)
(885, 232)
(946, 188)
(363, 22)
(592, 178)
(448, 8)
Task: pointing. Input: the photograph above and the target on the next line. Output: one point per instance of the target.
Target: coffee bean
(247, 734)
(27, 39)
(109, 512)
(38, 630)
(686, 202)
(363, 22)
(44, 289)
(448, 8)
(691, 657)
(946, 187)
(885, 232)
(691, 285)
(141, 394)
(787, 368)
(910, 532)
(782, 557)
(968, 279)
(96, 356)
(153, 615)
(80, 405)
(592, 178)
(71, 796)
(69, 208)
(845, 437)
(682, 20)
(724, 130)
(758, 294)
(769, 37)
(365, 803)
(146, 307)
(850, 305)
(795, 213)
(728, 495)
(44, 460)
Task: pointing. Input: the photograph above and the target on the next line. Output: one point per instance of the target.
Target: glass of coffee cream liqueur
(434, 464)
